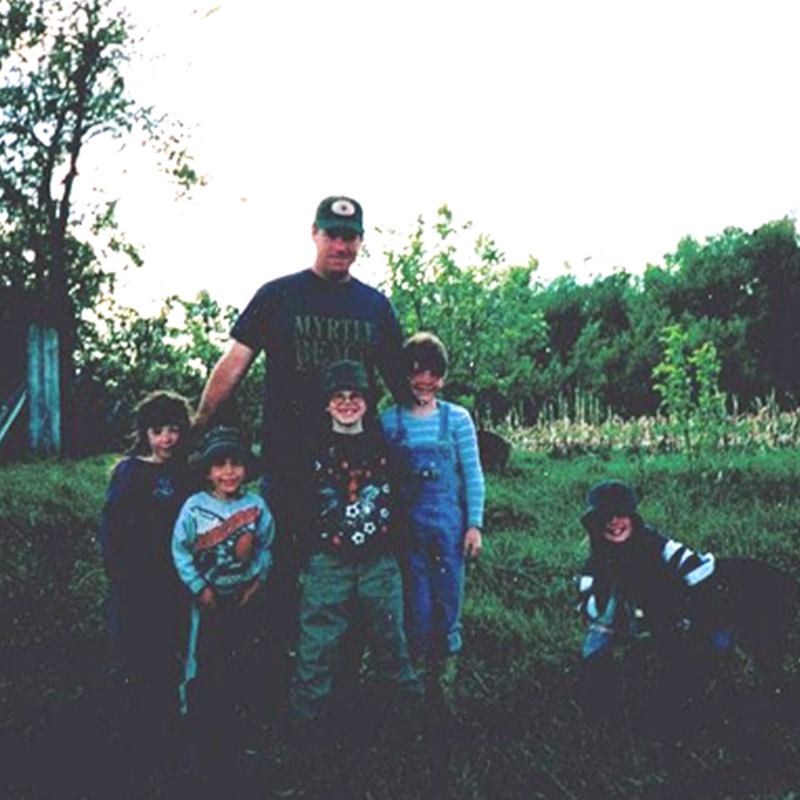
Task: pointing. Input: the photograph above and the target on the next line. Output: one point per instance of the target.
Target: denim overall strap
(444, 423)
(401, 428)
(435, 559)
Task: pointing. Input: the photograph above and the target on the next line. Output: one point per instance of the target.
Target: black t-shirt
(304, 322)
(352, 484)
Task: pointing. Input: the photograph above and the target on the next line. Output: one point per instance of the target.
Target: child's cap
(219, 443)
(344, 375)
(609, 499)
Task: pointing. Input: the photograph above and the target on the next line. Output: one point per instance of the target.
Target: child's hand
(249, 591)
(473, 543)
(207, 599)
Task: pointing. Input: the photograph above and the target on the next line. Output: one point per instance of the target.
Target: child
(442, 495)
(147, 603)
(352, 572)
(693, 606)
(221, 547)
(143, 498)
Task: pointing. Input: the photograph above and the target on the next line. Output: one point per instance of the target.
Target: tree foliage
(483, 311)
(519, 348)
(523, 346)
(687, 379)
(62, 86)
(124, 356)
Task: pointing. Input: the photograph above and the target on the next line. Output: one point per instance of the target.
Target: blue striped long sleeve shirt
(425, 430)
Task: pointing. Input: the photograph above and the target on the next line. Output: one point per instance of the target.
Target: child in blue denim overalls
(441, 499)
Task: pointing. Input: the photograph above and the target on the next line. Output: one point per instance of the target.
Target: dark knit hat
(344, 375)
(609, 499)
(219, 443)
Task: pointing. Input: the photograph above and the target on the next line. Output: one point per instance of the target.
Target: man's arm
(225, 377)
(390, 355)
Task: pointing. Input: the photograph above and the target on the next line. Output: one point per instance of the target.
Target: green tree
(123, 356)
(743, 290)
(61, 87)
(687, 378)
(482, 311)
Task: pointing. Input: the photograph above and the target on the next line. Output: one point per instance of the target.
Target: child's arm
(266, 525)
(473, 542)
(265, 534)
(474, 485)
(388, 423)
(692, 568)
(183, 538)
(249, 590)
(597, 602)
(207, 598)
(116, 522)
(690, 572)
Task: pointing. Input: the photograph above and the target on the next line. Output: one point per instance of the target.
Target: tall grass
(521, 733)
(581, 427)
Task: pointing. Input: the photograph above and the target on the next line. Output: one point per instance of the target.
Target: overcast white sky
(567, 130)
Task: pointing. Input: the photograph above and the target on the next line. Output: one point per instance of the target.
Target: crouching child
(221, 548)
(690, 607)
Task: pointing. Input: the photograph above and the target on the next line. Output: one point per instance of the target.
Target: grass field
(520, 732)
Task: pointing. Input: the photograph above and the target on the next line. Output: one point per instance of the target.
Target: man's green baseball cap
(340, 212)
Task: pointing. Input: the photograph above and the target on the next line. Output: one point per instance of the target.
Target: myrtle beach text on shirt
(321, 340)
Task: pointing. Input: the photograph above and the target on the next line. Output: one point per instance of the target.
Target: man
(303, 322)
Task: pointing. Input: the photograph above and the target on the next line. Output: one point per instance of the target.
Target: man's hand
(473, 542)
(207, 599)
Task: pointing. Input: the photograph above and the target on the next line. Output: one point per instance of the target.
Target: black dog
(759, 603)
(494, 450)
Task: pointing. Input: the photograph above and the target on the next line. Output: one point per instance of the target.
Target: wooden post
(44, 400)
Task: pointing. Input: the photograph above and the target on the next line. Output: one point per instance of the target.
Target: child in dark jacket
(692, 606)
(147, 604)
(352, 574)
(144, 496)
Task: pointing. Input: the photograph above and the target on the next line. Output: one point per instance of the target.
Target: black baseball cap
(340, 213)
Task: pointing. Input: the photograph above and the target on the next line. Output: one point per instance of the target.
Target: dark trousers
(226, 698)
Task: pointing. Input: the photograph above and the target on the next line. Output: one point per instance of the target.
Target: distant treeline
(520, 348)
